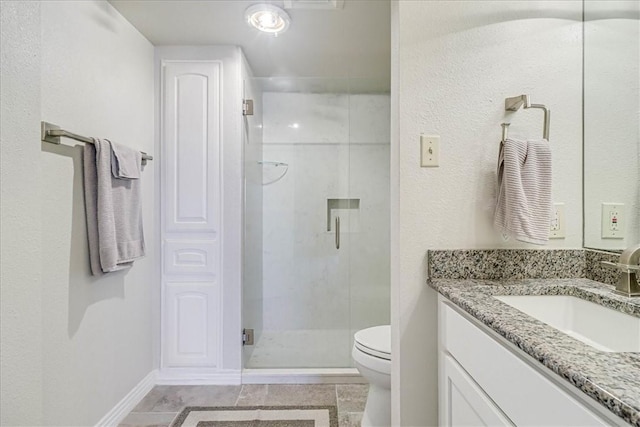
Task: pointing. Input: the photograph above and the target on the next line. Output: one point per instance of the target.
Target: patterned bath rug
(257, 416)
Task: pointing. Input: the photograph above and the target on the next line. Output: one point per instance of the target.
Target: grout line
(174, 417)
(239, 394)
(154, 412)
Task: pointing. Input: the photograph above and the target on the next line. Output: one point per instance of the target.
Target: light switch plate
(429, 151)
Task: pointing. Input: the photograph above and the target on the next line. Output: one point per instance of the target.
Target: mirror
(611, 124)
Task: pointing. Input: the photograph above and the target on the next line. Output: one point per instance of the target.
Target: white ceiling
(352, 41)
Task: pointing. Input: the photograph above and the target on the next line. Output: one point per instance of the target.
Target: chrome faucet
(629, 267)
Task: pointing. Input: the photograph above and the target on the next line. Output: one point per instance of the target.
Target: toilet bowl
(372, 356)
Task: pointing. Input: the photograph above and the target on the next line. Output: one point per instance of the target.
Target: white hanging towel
(523, 207)
(113, 207)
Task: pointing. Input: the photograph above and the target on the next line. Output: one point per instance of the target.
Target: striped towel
(523, 209)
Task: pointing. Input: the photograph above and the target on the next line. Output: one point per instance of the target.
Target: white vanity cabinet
(462, 401)
(486, 380)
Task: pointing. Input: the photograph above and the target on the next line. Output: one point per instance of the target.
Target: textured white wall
(21, 213)
(91, 73)
(308, 283)
(611, 112)
(97, 80)
(457, 63)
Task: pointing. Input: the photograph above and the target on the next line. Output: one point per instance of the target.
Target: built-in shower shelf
(276, 164)
(348, 210)
(273, 177)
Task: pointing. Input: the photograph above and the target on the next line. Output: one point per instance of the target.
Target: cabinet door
(465, 404)
(191, 213)
(191, 135)
(191, 325)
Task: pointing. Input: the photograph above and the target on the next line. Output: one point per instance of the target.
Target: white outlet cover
(613, 221)
(557, 228)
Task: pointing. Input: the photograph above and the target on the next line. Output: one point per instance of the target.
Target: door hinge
(247, 107)
(247, 337)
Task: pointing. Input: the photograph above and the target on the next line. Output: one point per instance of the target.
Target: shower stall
(316, 220)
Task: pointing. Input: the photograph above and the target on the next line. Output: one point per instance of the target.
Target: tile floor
(163, 403)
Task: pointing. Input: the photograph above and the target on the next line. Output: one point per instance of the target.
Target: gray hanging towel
(114, 212)
(125, 162)
(523, 208)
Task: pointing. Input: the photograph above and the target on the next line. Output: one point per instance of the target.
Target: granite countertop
(612, 379)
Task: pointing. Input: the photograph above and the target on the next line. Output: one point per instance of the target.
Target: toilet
(372, 356)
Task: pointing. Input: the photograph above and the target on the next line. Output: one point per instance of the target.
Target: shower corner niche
(348, 210)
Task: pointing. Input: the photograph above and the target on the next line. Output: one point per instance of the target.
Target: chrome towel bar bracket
(52, 134)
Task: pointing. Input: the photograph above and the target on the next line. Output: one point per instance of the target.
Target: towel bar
(52, 133)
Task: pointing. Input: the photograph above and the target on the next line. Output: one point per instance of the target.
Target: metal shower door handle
(337, 232)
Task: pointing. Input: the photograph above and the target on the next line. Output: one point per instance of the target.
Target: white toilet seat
(372, 352)
(375, 341)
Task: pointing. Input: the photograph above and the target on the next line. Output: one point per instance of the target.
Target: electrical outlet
(557, 227)
(613, 220)
(429, 151)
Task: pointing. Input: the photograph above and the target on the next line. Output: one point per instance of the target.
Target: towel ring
(514, 104)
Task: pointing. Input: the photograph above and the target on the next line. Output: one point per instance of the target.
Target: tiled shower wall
(336, 146)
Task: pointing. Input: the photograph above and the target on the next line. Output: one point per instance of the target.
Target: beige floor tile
(301, 394)
(350, 419)
(148, 419)
(252, 395)
(351, 397)
(177, 397)
(149, 401)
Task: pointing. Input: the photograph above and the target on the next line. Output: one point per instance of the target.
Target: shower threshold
(302, 376)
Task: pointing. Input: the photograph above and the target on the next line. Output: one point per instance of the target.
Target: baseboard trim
(122, 408)
(302, 376)
(187, 376)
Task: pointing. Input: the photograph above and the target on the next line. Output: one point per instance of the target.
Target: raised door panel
(466, 404)
(191, 325)
(193, 258)
(191, 144)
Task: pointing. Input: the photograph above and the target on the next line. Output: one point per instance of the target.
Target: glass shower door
(369, 184)
(305, 306)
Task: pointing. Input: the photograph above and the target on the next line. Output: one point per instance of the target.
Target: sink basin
(600, 327)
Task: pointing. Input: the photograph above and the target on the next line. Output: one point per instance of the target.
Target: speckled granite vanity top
(613, 379)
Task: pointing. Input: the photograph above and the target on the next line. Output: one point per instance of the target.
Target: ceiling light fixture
(267, 18)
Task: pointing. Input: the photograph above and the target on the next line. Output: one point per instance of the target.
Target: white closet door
(191, 141)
